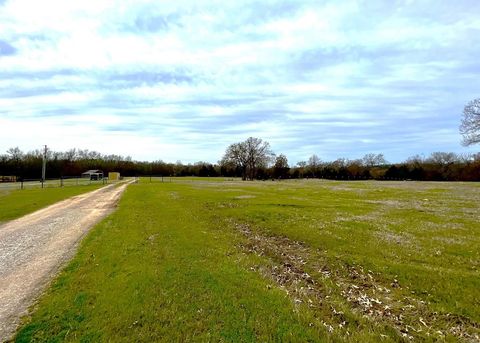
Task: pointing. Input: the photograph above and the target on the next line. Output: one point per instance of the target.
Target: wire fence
(51, 183)
(160, 178)
(78, 181)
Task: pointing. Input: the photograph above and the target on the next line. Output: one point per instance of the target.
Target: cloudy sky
(181, 80)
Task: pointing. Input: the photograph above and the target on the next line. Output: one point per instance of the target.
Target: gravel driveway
(33, 249)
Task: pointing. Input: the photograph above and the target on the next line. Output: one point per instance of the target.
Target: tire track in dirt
(34, 248)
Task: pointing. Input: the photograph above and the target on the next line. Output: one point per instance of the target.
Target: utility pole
(44, 164)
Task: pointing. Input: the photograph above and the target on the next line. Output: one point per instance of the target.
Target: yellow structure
(113, 176)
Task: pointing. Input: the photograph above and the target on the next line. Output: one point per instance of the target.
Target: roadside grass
(273, 261)
(16, 203)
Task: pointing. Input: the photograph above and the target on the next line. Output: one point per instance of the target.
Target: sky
(181, 80)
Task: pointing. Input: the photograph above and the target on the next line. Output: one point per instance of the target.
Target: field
(273, 261)
(15, 203)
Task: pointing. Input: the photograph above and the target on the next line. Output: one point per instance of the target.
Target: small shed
(93, 174)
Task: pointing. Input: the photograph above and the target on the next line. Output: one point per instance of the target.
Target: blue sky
(181, 80)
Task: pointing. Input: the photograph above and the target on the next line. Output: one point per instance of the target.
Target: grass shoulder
(17, 203)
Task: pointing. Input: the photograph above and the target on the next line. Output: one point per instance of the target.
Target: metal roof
(93, 171)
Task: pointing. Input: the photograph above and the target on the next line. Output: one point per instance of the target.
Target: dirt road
(34, 247)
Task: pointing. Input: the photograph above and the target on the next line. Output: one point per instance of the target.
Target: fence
(51, 183)
(160, 178)
(156, 178)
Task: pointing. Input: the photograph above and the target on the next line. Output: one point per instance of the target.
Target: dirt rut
(34, 247)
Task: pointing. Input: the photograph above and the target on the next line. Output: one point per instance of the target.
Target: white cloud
(181, 80)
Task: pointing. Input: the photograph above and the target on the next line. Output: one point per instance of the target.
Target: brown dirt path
(34, 248)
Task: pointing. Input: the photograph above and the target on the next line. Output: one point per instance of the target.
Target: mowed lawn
(273, 261)
(16, 203)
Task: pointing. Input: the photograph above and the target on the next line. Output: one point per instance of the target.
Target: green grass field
(16, 203)
(273, 261)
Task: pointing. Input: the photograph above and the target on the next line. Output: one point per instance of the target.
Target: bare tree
(70, 155)
(249, 156)
(313, 163)
(443, 158)
(372, 160)
(15, 154)
(470, 127)
(301, 167)
(415, 160)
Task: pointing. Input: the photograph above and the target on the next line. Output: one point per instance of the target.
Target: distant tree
(377, 173)
(302, 164)
(177, 169)
(442, 158)
(372, 160)
(340, 167)
(249, 156)
(465, 158)
(15, 157)
(415, 160)
(470, 127)
(416, 166)
(340, 162)
(301, 168)
(236, 155)
(441, 165)
(313, 164)
(281, 168)
(355, 169)
(15, 154)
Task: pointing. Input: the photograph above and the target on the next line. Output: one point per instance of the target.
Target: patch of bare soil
(345, 188)
(34, 248)
(246, 196)
(401, 238)
(361, 290)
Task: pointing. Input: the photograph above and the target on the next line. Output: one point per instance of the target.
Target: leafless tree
(313, 164)
(249, 156)
(71, 154)
(15, 154)
(301, 167)
(443, 158)
(371, 160)
(415, 160)
(470, 127)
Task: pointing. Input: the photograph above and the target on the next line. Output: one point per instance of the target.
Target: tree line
(252, 159)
